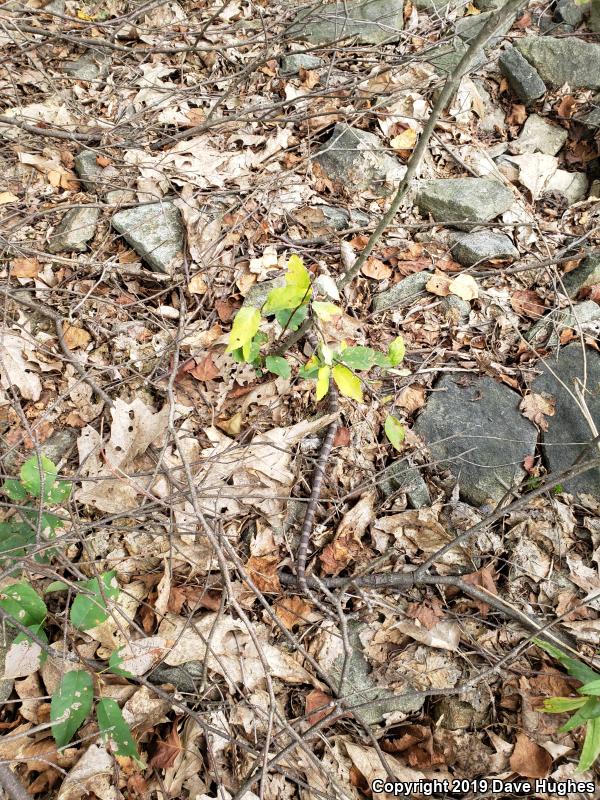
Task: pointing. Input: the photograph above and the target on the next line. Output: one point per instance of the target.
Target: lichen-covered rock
(458, 200)
(294, 62)
(539, 136)
(402, 476)
(155, 231)
(468, 27)
(472, 248)
(446, 56)
(568, 432)
(563, 60)
(524, 79)
(473, 428)
(585, 275)
(88, 170)
(356, 160)
(369, 21)
(402, 293)
(75, 230)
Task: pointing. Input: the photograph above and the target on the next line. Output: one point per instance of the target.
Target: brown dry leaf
(197, 285)
(411, 398)
(374, 268)
(527, 303)
(309, 78)
(529, 759)
(293, 611)
(225, 310)
(75, 337)
(428, 614)
(537, 407)
(347, 544)
(15, 370)
(233, 425)
(464, 286)
(317, 707)
(205, 369)
(484, 579)
(262, 571)
(24, 268)
(517, 115)
(439, 284)
(342, 437)
(566, 107)
(167, 750)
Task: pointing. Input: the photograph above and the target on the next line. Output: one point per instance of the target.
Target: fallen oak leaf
(529, 759)
(536, 407)
(205, 369)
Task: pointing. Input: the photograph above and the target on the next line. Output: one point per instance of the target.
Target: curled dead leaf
(537, 407)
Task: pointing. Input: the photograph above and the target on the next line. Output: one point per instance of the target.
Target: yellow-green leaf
(245, 326)
(396, 351)
(325, 311)
(394, 430)
(323, 382)
(297, 289)
(348, 383)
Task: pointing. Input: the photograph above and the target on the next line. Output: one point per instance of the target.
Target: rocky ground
(159, 166)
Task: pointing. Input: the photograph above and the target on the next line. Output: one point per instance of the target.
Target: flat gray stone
(546, 331)
(473, 248)
(294, 62)
(340, 218)
(403, 293)
(585, 275)
(402, 476)
(524, 79)
(357, 160)
(88, 170)
(369, 21)
(493, 119)
(456, 309)
(457, 200)
(438, 6)
(539, 136)
(155, 231)
(570, 12)
(120, 197)
(86, 68)
(468, 27)
(446, 56)
(74, 231)
(473, 427)
(563, 60)
(592, 117)
(183, 677)
(568, 432)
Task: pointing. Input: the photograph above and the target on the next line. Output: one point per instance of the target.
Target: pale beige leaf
(15, 370)
(464, 286)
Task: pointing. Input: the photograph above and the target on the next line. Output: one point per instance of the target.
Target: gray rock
(595, 190)
(468, 27)
(356, 160)
(292, 63)
(341, 218)
(472, 248)
(573, 185)
(88, 170)
(524, 80)
(437, 5)
(457, 200)
(370, 21)
(402, 476)
(586, 274)
(360, 689)
(183, 677)
(592, 118)
(474, 429)
(446, 56)
(490, 5)
(155, 231)
(120, 197)
(86, 68)
(563, 60)
(569, 11)
(546, 331)
(539, 136)
(403, 293)
(75, 230)
(568, 433)
(594, 22)
(456, 309)
(257, 294)
(493, 119)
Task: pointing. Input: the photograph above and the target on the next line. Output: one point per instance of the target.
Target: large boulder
(354, 160)
(473, 427)
(565, 60)
(568, 432)
(368, 21)
(458, 200)
(155, 231)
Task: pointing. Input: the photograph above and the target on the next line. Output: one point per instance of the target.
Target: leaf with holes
(23, 603)
(115, 731)
(71, 705)
(89, 607)
(31, 475)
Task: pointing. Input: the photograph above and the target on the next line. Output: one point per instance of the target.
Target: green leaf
(394, 430)
(23, 603)
(59, 492)
(15, 490)
(31, 475)
(396, 351)
(56, 586)
(89, 610)
(245, 325)
(278, 365)
(71, 705)
(348, 383)
(574, 667)
(310, 369)
(593, 687)
(359, 357)
(290, 320)
(325, 311)
(589, 710)
(558, 705)
(323, 382)
(295, 293)
(115, 731)
(591, 746)
(16, 538)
